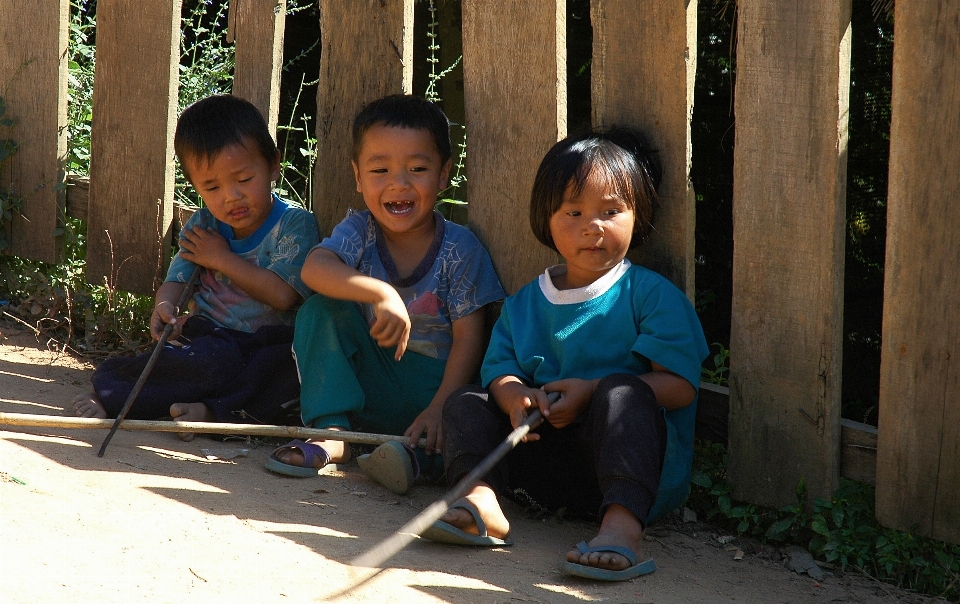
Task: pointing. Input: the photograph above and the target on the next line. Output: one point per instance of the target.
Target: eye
(573, 213)
(613, 211)
(419, 169)
(211, 188)
(247, 179)
(378, 171)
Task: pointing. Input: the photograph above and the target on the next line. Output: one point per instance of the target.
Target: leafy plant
(10, 202)
(721, 367)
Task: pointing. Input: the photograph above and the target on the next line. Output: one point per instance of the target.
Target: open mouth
(399, 208)
(239, 213)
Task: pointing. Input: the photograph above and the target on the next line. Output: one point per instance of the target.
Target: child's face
(592, 232)
(235, 186)
(399, 173)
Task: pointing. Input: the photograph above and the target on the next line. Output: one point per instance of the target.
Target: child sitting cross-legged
(228, 359)
(620, 344)
(399, 320)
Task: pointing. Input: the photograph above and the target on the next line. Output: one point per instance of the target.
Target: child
(232, 361)
(399, 322)
(619, 343)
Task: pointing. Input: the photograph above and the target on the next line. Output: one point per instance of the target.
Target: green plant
(841, 530)
(721, 367)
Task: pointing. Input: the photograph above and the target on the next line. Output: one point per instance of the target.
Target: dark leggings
(612, 454)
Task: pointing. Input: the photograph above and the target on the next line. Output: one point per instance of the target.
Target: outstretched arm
(324, 272)
(466, 353)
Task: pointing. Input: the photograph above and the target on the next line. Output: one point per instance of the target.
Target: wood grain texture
(644, 62)
(131, 143)
(367, 53)
(258, 33)
(514, 61)
(789, 221)
(918, 468)
(33, 83)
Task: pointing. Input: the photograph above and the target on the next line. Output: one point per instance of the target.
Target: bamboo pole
(136, 425)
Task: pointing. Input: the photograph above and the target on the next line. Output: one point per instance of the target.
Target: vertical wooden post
(367, 53)
(131, 142)
(514, 61)
(257, 27)
(789, 221)
(644, 62)
(918, 447)
(33, 84)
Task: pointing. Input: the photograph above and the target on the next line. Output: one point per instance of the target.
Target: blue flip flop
(393, 465)
(310, 452)
(443, 532)
(605, 574)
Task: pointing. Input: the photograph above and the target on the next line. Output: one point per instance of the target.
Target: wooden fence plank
(789, 222)
(643, 68)
(258, 34)
(918, 466)
(33, 83)
(131, 142)
(367, 52)
(514, 61)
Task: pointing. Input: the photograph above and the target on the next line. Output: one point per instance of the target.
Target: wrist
(174, 309)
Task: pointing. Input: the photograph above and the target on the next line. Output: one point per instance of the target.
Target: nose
(593, 226)
(401, 180)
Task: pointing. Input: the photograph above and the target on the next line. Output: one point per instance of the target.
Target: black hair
(403, 111)
(621, 156)
(206, 127)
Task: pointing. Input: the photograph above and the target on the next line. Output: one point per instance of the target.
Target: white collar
(580, 294)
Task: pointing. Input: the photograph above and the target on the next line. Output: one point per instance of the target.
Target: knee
(623, 392)
(463, 403)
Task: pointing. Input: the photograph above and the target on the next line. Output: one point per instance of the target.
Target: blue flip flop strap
(308, 452)
(472, 509)
(626, 552)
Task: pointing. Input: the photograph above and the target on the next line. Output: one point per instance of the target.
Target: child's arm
(516, 399)
(672, 391)
(210, 250)
(165, 310)
(466, 353)
(325, 273)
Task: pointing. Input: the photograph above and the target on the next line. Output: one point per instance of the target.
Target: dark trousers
(612, 454)
(242, 377)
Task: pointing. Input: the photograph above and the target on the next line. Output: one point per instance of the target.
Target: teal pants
(347, 380)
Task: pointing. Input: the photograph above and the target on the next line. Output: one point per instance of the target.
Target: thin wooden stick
(387, 548)
(167, 330)
(53, 421)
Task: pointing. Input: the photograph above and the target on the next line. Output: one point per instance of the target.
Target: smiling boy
(228, 357)
(400, 322)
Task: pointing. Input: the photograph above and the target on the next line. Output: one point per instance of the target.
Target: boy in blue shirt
(228, 358)
(400, 321)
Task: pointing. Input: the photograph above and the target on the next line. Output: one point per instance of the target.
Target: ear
(356, 175)
(275, 168)
(445, 174)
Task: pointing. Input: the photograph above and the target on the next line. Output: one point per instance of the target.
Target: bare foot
(338, 450)
(88, 405)
(191, 412)
(485, 500)
(618, 527)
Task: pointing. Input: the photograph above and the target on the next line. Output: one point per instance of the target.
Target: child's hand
(205, 247)
(429, 425)
(392, 327)
(164, 314)
(517, 400)
(575, 396)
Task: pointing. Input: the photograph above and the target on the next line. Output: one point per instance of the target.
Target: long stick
(167, 330)
(139, 425)
(387, 548)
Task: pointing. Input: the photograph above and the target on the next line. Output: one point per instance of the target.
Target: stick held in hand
(168, 328)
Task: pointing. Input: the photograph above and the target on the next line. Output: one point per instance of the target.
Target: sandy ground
(155, 520)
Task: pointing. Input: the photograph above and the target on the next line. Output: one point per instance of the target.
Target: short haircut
(206, 127)
(621, 156)
(403, 111)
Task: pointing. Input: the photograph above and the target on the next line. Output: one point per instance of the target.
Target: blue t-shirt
(280, 245)
(455, 278)
(621, 323)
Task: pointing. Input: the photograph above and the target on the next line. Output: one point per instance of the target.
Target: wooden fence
(789, 193)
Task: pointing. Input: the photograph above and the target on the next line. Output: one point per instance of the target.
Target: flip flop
(393, 465)
(605, 574)
(443, 532)
(310, 453)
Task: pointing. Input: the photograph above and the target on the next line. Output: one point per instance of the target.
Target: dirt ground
(156, 520)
